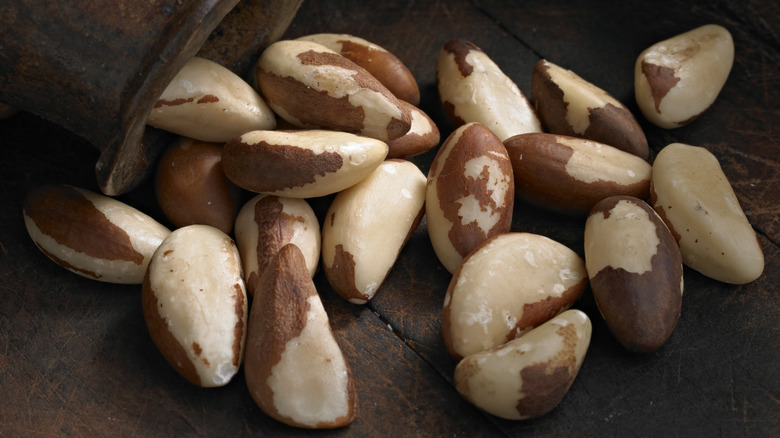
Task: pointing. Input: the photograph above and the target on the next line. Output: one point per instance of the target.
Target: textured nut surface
(635, 271)
(423, 136)
(311, 86)
(367, 225)
(677, 79)
(571, 174)
(470, 193)
(195, 304)
(528, 376)
(300, 164)
(473, 88)
(265, 224)
(208, 102)
(569, 105)
(695, 199)
(191, 186)
(509, 285)
(91, 234)
(378, 61)
(295, 369)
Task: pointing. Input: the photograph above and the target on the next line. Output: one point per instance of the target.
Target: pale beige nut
(91, 234)
(265, 224)
(571, 174)
(208, 102)
(569, 105)
(300, 164)
(510, 284)
(367, 225)
(696, 201)
(377, 60)
(195, 304)
(635, 272)
(311, 86)
(192, 188)
(677, 79)
(294, 367)
(528, 376)
(472, 88)
(423, 136)
(470, 193)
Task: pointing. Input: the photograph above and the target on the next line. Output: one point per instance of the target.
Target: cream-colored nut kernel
(311, 86)
(195, 304)
(191, 186)
(571, 174)
(208, 102)
(470, 193)
(294, 368)
(510, 284)
(367, 225)
(473, 88)
(422, 136)
(378, 61)
(696, 201)
(528, 376)
(677, 79)
(91, 234)
(300, 164)
(267, 223)
(635, 272)
(569, 105)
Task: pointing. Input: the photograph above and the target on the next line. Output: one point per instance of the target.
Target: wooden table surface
(76, 358)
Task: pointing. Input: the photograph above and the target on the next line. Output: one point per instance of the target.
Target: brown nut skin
(192, 188)
(569, 105)
(423, 136)
(570, 174)
(294, 368)
(635, 271)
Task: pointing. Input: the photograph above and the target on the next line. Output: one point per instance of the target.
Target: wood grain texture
(75, 357)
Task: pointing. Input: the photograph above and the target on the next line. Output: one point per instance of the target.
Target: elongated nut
(192, 188)
(378, 61)
(208, 102)
(470, 193)
(695, 199)
(311, 86)
(422, 136)
(528, 376)
(367, 225)
(510, 284)
(195, 305)
(267, 223)
(677, 79)
(295, 369)
(300, 164)
(569, 105)
(473, 88)
(91, 234)
(635, 272)
(570, 174)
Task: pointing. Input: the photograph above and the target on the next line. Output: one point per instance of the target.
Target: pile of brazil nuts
(334, 114)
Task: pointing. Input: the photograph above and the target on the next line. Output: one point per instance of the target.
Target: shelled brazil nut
(423, 136)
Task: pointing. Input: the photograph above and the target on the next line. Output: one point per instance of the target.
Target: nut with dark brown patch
(473, 88)
(506, 287)
(528, 376)
(311, 86)
(569, 105)
(91, 234)
(195, 304)
(300, 164)
(294, 367)
(571, 174)
(367, 225)
(635, 272)
(267, 223)
(422, 136)
(470, 194)
(677, 79)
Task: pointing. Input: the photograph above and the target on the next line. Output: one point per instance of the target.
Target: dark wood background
(76, 359)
